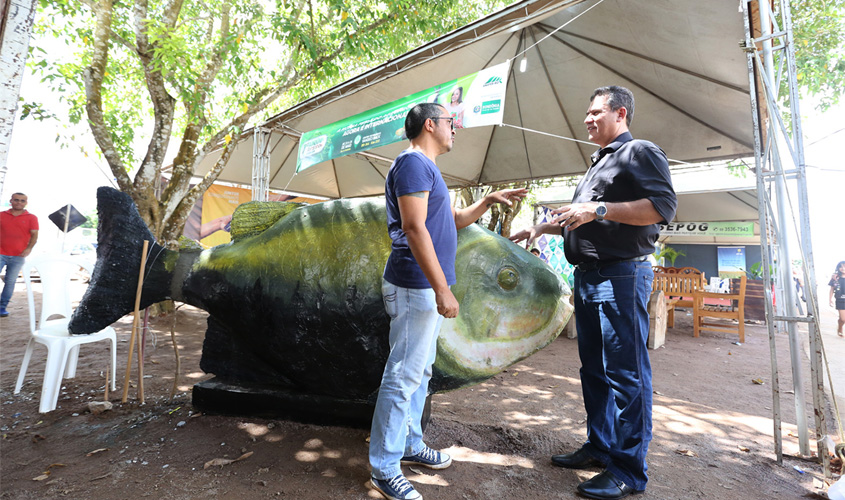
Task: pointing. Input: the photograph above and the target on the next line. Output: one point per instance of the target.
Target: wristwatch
(601, 211)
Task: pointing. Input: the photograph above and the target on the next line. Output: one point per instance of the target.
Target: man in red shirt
(18, 234)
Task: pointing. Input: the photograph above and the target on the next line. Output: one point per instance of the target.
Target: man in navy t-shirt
(423, 227)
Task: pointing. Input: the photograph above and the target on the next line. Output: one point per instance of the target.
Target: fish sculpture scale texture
(295, 301)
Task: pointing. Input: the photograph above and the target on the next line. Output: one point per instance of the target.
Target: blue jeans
(611, 315)
(414, 327)
(13, 267)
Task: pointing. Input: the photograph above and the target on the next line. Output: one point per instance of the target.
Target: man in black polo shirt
(609, 230)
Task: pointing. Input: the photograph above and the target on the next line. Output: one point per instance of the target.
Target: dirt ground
(712, 429)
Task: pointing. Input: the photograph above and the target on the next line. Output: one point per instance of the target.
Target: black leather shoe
(579, 459)
(605, 486)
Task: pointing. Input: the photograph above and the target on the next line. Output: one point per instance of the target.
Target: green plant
(755, 272)
(91, 220)
(669, 253)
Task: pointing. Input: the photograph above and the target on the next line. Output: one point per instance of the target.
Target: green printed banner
(475, 100)
(707, 229)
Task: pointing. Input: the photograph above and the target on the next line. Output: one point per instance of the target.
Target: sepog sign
(709, 229)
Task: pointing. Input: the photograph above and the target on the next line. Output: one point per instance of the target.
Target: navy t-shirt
(413, 172)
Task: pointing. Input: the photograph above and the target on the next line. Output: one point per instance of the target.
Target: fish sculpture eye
(508, 278)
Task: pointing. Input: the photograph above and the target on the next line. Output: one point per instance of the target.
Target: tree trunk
(16, 18)
(495, 214)
(500, 216)
(510, 214)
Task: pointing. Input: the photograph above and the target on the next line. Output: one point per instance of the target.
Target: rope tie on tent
(558, 29)
(591, 144)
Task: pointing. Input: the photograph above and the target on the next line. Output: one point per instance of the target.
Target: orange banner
(218, 205)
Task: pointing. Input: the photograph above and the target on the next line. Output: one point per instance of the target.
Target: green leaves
(36, 111)
(818, 31)
(218, 54)
(212, 68)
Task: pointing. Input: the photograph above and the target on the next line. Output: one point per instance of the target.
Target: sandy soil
(712, 429)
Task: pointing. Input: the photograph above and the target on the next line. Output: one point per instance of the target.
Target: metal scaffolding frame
(770, 54)
(260, 164)
(769, 49)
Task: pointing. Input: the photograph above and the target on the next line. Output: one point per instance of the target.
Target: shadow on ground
(713, 431)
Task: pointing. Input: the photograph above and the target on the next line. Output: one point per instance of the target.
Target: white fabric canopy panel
(721, 205)
(718, 206)
(681, 58)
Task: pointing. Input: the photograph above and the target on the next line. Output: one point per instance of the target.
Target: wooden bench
(733, 312)
(672, 287)
(678, 285)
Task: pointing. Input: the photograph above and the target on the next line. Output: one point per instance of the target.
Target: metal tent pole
(786, 295)
(806, 245)
(765, 230)
(260, 164)
(780, 228)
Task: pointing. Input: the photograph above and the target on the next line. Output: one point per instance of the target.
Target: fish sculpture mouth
(511, 305)
(480, 360)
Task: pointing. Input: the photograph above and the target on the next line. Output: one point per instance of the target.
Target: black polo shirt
(625, 170)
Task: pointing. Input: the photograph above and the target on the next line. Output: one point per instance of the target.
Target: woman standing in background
(837, 294)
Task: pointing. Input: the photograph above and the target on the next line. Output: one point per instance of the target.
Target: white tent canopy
(717, 205)
(705, 194)
(681, 58)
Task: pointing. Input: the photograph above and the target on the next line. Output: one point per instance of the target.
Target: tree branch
(93, 79)
(185, 161)
(175, 222)
(163, 103)
(279, 90)
(177, 199)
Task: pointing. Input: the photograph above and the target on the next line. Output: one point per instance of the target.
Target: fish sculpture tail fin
(111, 293)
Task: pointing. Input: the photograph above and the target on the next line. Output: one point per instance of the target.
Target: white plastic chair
(62, 347)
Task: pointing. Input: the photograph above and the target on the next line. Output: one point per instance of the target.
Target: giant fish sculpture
(295, 301)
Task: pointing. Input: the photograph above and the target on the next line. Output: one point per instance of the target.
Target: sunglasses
(450, 118)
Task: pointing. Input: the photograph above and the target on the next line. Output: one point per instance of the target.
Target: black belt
(597, 264)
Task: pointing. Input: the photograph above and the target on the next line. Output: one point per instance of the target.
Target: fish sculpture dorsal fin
(255, 217)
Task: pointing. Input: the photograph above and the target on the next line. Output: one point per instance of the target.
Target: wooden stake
(135, 321)
(141, 338)
(175, 350)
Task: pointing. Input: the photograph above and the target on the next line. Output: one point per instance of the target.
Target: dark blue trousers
(611, 315)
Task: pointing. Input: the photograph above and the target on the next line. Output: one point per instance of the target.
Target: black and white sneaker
(396, 488)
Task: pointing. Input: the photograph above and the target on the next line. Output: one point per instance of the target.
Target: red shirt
(15, 232)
